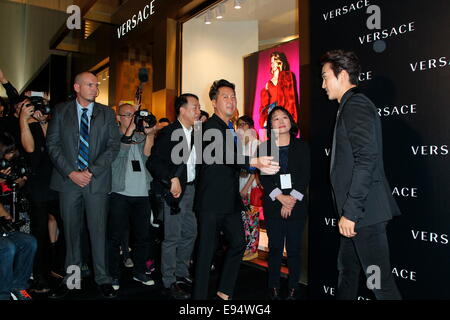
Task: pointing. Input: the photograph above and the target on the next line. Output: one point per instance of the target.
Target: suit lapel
(93, 129)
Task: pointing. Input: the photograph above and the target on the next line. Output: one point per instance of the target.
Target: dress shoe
(185, 280)
(178, 293)
(107, 290)
(292, 295)
(274, 294)
(59, 292)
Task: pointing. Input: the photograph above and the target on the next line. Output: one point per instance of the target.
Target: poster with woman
(271, 79)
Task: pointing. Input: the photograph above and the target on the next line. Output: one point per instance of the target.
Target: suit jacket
(217, 189)
(360, 188)
(299, 169)
(63, 141)
(160, 163)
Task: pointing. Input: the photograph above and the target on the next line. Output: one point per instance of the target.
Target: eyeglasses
(126, 115)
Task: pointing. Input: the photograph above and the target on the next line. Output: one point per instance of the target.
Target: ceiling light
(237, 4)
(208, 17)
(220, 10)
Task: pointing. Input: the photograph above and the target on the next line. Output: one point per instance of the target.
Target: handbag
(256, 196)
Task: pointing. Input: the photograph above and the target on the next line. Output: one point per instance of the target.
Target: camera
(7, 226)
(40, 104)
(19, 169)
(142, 116)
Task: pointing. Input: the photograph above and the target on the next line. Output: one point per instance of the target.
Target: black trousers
(39, 211)
(129, 213)
(209, 227)
(279, 230)
(368, 248)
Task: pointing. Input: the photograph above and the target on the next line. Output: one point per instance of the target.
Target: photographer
(17, 249)
(129, 201)
(44, 209)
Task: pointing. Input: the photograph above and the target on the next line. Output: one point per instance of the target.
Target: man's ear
(76, 87)
(344, 76)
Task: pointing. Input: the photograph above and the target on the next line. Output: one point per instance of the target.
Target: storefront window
(229, 42)
(252, 43)
(103, 80)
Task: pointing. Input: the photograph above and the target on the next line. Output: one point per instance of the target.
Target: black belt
(190, 183)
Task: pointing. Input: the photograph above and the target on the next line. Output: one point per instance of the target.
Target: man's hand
(2, 77)
(81, 178)
(21, 181)
(286, 201)
(346, 227)
(265, 164)
(26, 113)
(149, 131)
(175, 187)
(6, 172)
(285, 212)
(131, 128)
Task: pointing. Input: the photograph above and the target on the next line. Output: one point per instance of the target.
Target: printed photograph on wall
(271, 78)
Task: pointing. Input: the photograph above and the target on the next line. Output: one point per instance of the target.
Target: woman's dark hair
(343, 60)
(217, 85)
(282, 57)
(182, 100)
(246, 119)
(7, 144)
(164, 120)
(204, 113)
(294, 126)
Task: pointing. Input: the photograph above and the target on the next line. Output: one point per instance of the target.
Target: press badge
(285, 181)
(136, 165)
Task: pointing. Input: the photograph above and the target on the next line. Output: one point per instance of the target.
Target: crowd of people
(97, 182)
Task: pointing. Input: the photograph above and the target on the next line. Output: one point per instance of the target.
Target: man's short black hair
(204, 113)
(217, 85)
(343, 60)
(182, 100)
(164, 120)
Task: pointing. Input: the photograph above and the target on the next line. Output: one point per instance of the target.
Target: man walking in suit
(174, 181)
(218, 201)
(360, 189)
(82, 142)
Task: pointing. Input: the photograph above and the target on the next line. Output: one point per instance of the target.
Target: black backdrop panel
(406, 73)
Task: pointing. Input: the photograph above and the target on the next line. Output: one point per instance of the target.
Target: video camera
(19, 168)
(40, 104)
(7, 226)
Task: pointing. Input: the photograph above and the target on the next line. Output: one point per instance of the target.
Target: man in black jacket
(361, 192)
(218, 202)
(174, 182)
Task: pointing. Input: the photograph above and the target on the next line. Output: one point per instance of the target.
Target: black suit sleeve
(160, 163)
(54, 143)
(359, 120)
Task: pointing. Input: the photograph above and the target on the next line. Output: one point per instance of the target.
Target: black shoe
(59, 292)
(274, 294)
(178, 293)
(292, 295)
(185, 280)
(107, 290)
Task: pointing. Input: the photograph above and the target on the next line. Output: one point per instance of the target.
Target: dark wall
(407, 76)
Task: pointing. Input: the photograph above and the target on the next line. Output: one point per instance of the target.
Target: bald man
(82, 142)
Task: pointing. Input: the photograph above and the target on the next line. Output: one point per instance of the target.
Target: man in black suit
(218, 202)
(82, 142)
(360, 189)
(174, 175)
